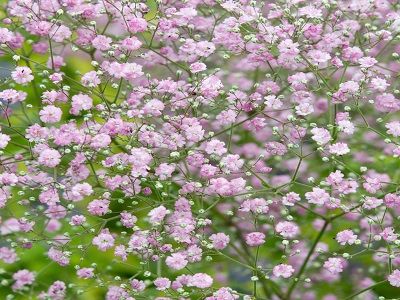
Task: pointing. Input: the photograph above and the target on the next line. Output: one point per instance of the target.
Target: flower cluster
(199, 149)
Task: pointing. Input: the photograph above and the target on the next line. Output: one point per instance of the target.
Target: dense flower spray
(199, 149)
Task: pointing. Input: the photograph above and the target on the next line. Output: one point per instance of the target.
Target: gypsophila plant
(200, 149)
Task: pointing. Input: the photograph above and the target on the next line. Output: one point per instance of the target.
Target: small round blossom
(346, 237)
(394, 278)
(78, 220)
(334, 265)
(4, 139)
(49, 158)
(165, 170)
(283, 270)
(200, 280)
(339, 149)
(157, 215)
(102, 43)
(318, 196)
(287, 229)
(58, 256)
(176, 261)
(50, 114)
(131, 43)
(22, 278)
(197, 67)
(104, 240)
(393, 128)
(290, 198)
(219, 240)
(321, 135)
(215, 147)
(137, 25)
(8, 255)
(162, 283)
(22, 75)
(254, 239)
(98, 207)
(90, 79)
(100, 140)
(85, 273)
(138, 285)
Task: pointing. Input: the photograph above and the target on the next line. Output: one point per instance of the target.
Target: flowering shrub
(200, 149)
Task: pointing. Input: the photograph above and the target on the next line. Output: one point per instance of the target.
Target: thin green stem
(365, 290)
(304, 265)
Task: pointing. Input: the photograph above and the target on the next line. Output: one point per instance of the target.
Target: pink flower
(131, 44)
(318, 196)
(137, 25)
(8, 255)
(162, 283)
(157, 215)
(22, 278)
(165, 170)
(387, 102)
(256, 206)
(50, 114)
(346, 237)
(5, 35)
(49, 158)
(90, 79)
(200, 280)
(283, 270)
(102, 42)
(224, 294)
(22, 75)
(335, 265)
(98, 207)
(56, 77)
(339, 149)
(389, 234)
(154, 107)
(391, 200)
(352, 54)
(57, 290)
(367, 62)
(275, 148)
(394, 278)
(176, 261)
(290, 198)
(231, 163)
(219, 240)
(197, 67)
(13, 96)
(318, 56)
(128, 220)
(138, 285)
(210, 87)
(85, 273)
(393, 128)
(287, 229)
(379, 84)
(254, 239)
(78, 220)
(215, 147)
(100, 140)
(104, 240)
(4, 139)
(321, 135)
(80, 102)
(58, 256)
(304, 109)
